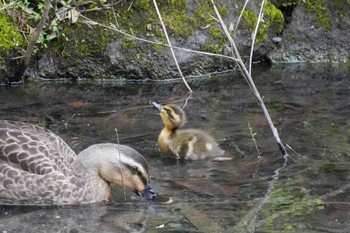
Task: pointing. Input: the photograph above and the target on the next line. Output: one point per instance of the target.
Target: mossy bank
(91, 45)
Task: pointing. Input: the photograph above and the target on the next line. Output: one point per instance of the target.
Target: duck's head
(124, 166)
(172, 115)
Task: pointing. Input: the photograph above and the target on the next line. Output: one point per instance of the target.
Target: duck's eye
(134, 169)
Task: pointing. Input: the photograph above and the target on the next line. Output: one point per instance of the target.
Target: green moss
(275, 17)
(284, 204)
(128, 44)
(10, 36)
(290, 37)
(79, 40)
(333, 168)
(180, 24)
(157, 48)
(275, 107)
(250, 19)
(143, 4)
(204, 13)
(212, 48)
(174, 15)
(273, 20)
(321, 12)
(217, 33)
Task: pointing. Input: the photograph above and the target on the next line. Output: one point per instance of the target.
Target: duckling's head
(172, 115)
(122, 165)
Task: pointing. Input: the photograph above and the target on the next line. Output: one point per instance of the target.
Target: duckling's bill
(158, 106)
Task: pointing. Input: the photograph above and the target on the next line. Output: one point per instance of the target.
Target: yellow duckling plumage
(190, 144)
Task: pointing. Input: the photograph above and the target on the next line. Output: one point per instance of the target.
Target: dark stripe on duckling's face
(178, 115)
(169, 113)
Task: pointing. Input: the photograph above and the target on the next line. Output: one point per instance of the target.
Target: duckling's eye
(168, 111)
(170, 114)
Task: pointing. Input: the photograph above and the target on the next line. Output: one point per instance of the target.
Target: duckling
(38, 168)
(190, 144)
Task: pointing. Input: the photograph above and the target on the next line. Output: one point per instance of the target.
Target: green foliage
(157, 48)
(250, 19)
(287, 3)
(321, 12)
(128, 44)
(174, 14)
(10, 36)
(217, 33)
(212, 48)
(205, 14)
(317, 7)
(273, 19)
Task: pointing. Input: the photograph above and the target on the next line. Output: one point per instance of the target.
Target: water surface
(309, 105)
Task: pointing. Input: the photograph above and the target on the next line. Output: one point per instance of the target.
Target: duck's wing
(34, 149)
(35, 164)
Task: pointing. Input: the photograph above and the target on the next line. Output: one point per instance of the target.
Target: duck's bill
(158, 106)
(147, 193)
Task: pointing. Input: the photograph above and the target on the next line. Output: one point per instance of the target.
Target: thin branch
(31, 45)
(120, 166)
(252, 216)
(200, 5)
(189, 96)
(115, 16)
(7, 5)
(171, 49)
(254, 35)
(253, 138)
(130, 6)
(113, 28)
(251, 83)
(240, 16)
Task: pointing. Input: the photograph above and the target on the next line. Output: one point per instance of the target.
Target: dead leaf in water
(78, 104)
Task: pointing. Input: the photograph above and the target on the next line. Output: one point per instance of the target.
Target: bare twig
(66, 123)
(253, 138)
(115, 16)
(288, 146)
(189, 96)
(240, 16)
(171, 49)
(120, 166)
(113, 28)
(250, 81)
(254, 35)
(7, 5)
(200, 5)
(252, 216)
(130, 6)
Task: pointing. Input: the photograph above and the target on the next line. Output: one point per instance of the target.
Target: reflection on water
(310, 107)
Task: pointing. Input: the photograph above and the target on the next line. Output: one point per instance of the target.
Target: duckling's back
(197, 144)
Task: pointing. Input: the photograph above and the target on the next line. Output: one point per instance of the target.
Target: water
(309, 105)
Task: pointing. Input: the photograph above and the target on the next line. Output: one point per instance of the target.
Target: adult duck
(38, 168)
